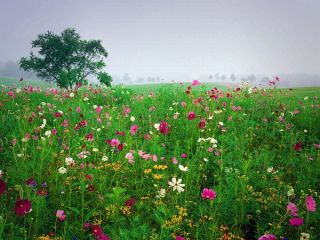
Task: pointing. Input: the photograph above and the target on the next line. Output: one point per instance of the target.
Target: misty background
(177, 40)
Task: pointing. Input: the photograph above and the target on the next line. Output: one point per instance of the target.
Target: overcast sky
(172, 37)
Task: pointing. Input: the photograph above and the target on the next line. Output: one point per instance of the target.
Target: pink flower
(54, 131)
(296, 222)
(78, 109)
(174, 160)
(184, 155)
(11, 94)
(133, 129)
(99, 109)
(164, 127)
(234, 108)
(183, 104)
(202, 123)
(208, 193)
(191, 115)
(179, 238)
(89, 137)
(61, 215)
(268, 237)
(154, 158)
(195, 83)
(130, 158)
(22, 207)
(292, 209)
(311, 204)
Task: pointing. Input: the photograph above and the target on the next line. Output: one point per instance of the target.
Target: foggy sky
(173, 37)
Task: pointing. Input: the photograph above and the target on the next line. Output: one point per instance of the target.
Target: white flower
(86, 99)
(176, 184)
(18, 90)
(132, 118)
(69, 161)
(170, 108)
(305, 131)
(221, 123)
(20, 155)
(156, 126)
(249, 90)
(105, 158)
(205, 159)
(44, 122)
(161, 193)
(304, 236)
(47, 133)
(306, 98)
(95, 106)
(183, 168)
(62, 170)
(72, 94)
(95, 149)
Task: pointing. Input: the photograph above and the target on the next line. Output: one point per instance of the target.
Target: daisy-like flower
(177, 185)
(69, 161)
(132, 118)
(62, 170)
(105, 158)
(183, 168)
(304, 236)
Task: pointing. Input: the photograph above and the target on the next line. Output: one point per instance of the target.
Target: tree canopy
(66, 59)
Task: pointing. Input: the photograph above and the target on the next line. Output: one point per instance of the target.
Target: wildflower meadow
(183, 162)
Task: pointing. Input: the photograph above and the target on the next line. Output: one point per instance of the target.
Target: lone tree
(66, 59)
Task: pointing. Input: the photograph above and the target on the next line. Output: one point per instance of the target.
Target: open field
(177, 163)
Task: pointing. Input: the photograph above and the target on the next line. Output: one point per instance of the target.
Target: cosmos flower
(311, 204)
(133, 129)
(69, 161)
(3, 186)
(62, 170)
(176, 184)
(22, 207)
(208, 193)
(292, 209)
(191, 115)
(164, 127)
(268, 237)
(296, 222)
(61, 215)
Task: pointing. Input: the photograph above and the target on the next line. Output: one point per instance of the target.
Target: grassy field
(180, 163)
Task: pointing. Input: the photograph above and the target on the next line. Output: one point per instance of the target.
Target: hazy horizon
(177, 38)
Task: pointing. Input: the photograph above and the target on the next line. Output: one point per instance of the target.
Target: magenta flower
(208, 193)
(3, 186)
(311, 204)
(292, 209)
(11, 94)
(133, 129)
(296, 222)
(195, 83)
(54, 131)
(268, 237)
(89, 137)
(164, 127)
(22, 207)
(202, 123)
(191, 115)
(297, 147)
(61, 215)
(78, 109)
(99, 109)
(179, 238)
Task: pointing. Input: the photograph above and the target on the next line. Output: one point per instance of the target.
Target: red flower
(191, 115)
(120, 147)
(164, 127)
(298, 147)
(22, 207)
(96, 230)
(42, 192)
(3, 186)
(58, 114)
(90, 188)
(130, 202)
(89, 137)
(202, 123)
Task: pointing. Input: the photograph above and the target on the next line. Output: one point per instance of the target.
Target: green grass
(252, 167)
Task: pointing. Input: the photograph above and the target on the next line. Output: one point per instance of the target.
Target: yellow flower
(157, 176)
(147, 171)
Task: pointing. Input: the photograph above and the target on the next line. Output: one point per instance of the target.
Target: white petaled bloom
(20, 155)
(62, 170)
(221, 123)
(86, 99)
(306, 98)
(43, 103)
(105, 158)
(161, 193)
(177, 185)
(205, 159)
(72, 94)
(98, 129)
(249, 90)
(1, 173)
(69, 161)
(156, 126)
(44, 123)
(170, 108)
(47, 133)
(18, 90)
(305, 131)
(95, 106)
(132, 118)
(59, 111)
(183, 168)
(304, 236)
(95, 149)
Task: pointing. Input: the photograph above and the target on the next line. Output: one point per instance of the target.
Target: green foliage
(65, 59)
(105, 79)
